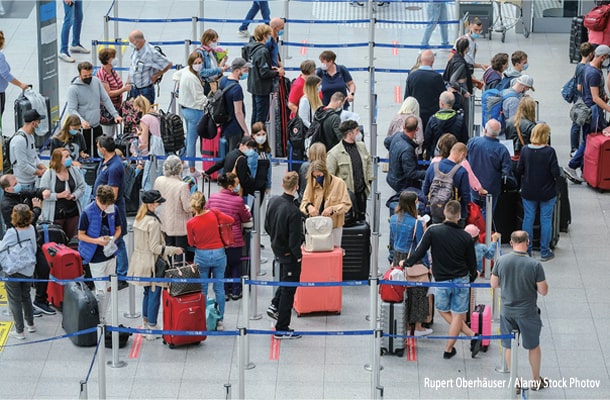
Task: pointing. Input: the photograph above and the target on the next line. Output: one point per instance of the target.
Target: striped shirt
(114, 82)
(144, 63)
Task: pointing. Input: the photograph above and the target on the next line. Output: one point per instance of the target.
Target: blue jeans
(260, 108)
(192, 117)
(263, 6)
(597, 124)
(73, 18)
(150, 304)
(147, 180)
(435, 12)
(122, 263)
(213, 262)
(575, 131)
(148, 92)
(546, 222)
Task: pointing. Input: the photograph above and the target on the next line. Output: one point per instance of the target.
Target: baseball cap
(526, 80)
(602, 50)
(239, 62)
(32, 115)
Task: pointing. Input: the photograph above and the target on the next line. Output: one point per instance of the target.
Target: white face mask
(114, 62)
(110, 209)
(323, 67)
(359, 137)
(261, 139)
(213, 45)
(197, 67)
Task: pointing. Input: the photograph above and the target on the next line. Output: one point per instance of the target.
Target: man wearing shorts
(521, 278)
(455, 262)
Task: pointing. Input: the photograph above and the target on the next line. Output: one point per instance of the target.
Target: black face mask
(88, 80)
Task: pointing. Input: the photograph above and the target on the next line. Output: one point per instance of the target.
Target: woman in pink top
(149, 141)
(444, 145)
(230, 202)
(112, 83)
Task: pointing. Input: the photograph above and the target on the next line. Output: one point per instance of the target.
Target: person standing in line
(24, 154)
(521, 278)
(436, 12)
(113, 84)
(297, 88)
(263, 6)
(234, 130)
(284, 224)
(6, 77)
(73, 19)
(426, 85)
(212, 68)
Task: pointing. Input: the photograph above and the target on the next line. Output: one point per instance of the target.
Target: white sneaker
(244, 33)
(18, 335)
(220, 326)
(31, 328)
(66, 57)
(425, 332)
(572, 175)
(79, 49)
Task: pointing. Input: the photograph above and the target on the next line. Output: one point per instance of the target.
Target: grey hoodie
(84, 100)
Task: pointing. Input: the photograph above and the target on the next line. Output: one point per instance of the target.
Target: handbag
(19, 258)
(417, 272)
(393, 293)
(105, 117)
(225, 231)
(318, 232)
(580, 113)
(191, 271)
(568, 90)
(161, 265)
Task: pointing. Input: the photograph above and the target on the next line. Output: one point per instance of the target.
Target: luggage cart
(509, 14)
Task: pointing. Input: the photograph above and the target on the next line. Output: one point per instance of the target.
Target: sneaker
(540, 384)
(243, 33)
(37, 312)
(264, 260)
(123, 285)
(448, 354)
(227, 297)
(383, 3)
(475, 346)
(289, 335)
(356, 3)
(572, 175)
(272, 312)
(45, 308)
(18, 335)
(547, 257)
(31, 328)
(79, 49)
(572, 152)
(235, 296)
(66, 57)
(425, 332)
(220, 326)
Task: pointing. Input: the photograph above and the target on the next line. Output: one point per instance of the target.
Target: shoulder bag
(417, 272)
(190, 271)
(580, 113)
(225, 231)
(18, 258)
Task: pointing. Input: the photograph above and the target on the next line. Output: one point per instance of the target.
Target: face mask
(359, 137)
(320, 180)
(99, 153)
(197, 67)
(213, 45)
(88, 80)
(606, 63)
(110, 209)
(296, 194)
(281, 32)
(250, 152)
(17, 188)
(261, 139)
(67, 162)
(525, 66)
(237, 188)
(243, 76)
(73, 132)
(114, 62)
(324, 67)
(475, 35)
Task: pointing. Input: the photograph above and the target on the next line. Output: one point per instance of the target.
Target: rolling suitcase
(213, 148)
(184, 313)
(480, 322)
(64, 263)
(596, 164)
(565, 211)
(393, 323)
(80, 312)
(320, 267)
(90, 169)
(22, 104)
(356, 241)
(578, 35)
(508, 216)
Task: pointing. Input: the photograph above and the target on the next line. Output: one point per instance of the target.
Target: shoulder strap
(229, 87)
(413, 240)
(519, 133)
(454, 170)
(45, 231)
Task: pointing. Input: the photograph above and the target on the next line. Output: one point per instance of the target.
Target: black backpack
(216, 107)
(7, 165)
(297, 131)
(172, 130)
(315, 133)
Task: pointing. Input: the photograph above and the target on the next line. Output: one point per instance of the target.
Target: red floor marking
(303, 49)
(274, 349)
(411, 349)
(394, 49)
(137, 345)
(397, 94)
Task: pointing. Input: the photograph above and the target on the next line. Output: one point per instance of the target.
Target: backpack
(597, 19)
(7, 165)
(297, 131)
(393, 293)
(216, 107)
(172, 130)
(315, 133)
(491, 105)
(504, 83)
(441, 191)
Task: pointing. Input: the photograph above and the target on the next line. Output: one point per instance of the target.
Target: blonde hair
(525, 110)
(142, 211)
(317, 151)
(318, 166)
(261, 31)
(540, 134)
(198, 202)
(311, 92)
(142, 103)
(409, 106)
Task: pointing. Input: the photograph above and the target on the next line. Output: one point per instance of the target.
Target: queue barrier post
(114, 290)
(83, 390)
(101, 363)
(255, 255)
(193, 30)
(115, 13)
(245, 324)
(132, 313)
(106, 31)
(514, 345)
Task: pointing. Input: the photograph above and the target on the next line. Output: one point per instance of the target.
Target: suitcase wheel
(400, 353)
(172, 346)
(383, 351)
(484, 349)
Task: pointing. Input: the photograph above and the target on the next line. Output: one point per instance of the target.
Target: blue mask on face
(99, 153)
(281, 32)
(525, 66)
(320, 180)
(73, 132)
(243, 77)
(67, 162)
(17, 188)
(475, 35)
(237, 188)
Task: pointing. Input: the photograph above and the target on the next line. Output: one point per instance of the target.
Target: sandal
(541, 384)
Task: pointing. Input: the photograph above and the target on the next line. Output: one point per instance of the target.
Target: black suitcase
(508, 216)
(80, 312)
(22, 104)
(90, 169)
(356, 241)
(565, 211)
(578, 35)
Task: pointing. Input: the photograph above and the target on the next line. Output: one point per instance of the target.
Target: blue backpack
(491, 105)
(505, 82)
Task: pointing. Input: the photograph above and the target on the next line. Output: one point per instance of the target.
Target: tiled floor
(576, 321)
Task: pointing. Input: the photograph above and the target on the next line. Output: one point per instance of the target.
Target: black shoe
(36, 312)
(235, 296)
(123, 285)
(227, 297)
(272, 312)
(448, 354)
(287, 336)
(45, 308)
(475, 346)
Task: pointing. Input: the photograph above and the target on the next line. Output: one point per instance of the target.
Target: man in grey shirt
(521, 278)
(23, 151)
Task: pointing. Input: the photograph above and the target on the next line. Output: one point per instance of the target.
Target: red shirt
(202, 230)
(296, 92)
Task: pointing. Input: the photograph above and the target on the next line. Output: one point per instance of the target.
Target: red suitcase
(210, 149)
(320, 267)
(183, 313)
(596, 166)
(480, 322)
(64, 263)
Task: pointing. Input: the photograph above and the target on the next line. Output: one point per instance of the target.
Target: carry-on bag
(356, 241)
(596, 165)
(80, 312)
(182, 270)
(64, 263)
(480, 322)
(184, 313)
(318, 234)
(393, 323)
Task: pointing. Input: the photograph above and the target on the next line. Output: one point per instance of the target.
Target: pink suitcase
(320, 267)
(596, 164)
(480, 322)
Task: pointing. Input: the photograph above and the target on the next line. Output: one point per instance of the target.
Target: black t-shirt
(235, 93)
(65, 208)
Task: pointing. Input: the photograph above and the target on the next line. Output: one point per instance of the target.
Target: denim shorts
(454, 299)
